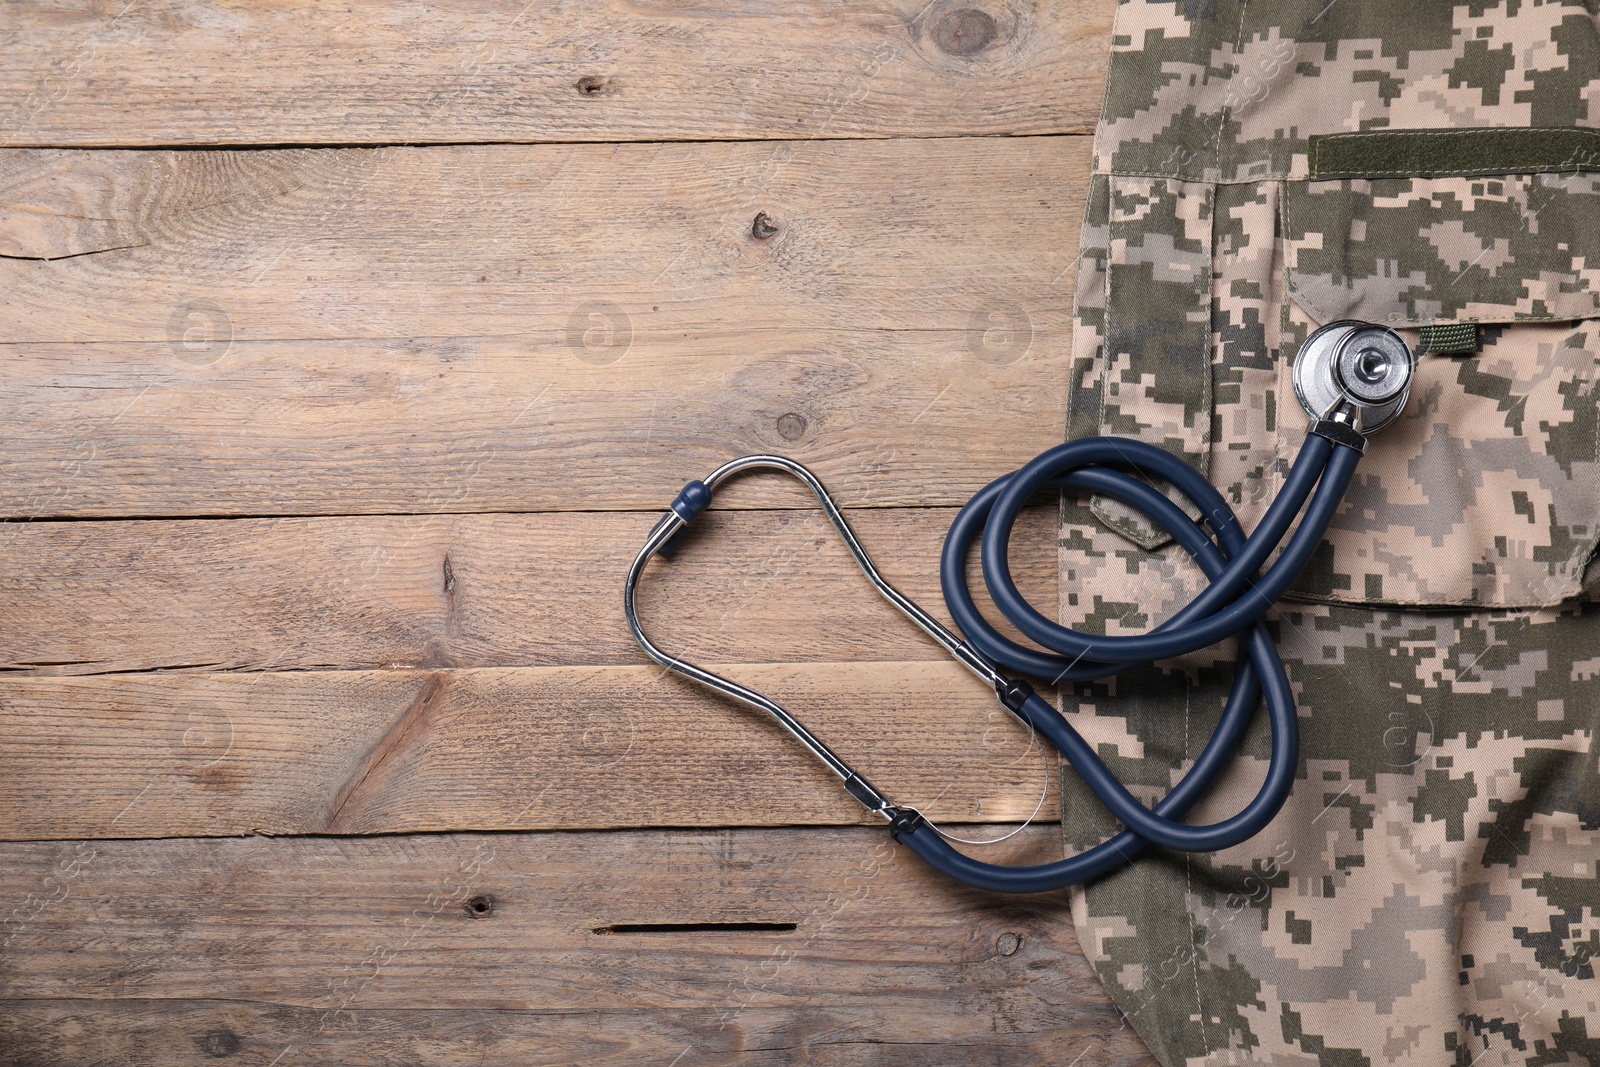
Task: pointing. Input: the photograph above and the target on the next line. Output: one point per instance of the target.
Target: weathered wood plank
(186, 72)
(578, 947)
(297, 428)
(602, 242)
(597, 323)
(353, 752)
(470, 590)
(175, 1033)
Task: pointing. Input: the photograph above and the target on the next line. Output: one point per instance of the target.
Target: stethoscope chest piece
(1365, 367)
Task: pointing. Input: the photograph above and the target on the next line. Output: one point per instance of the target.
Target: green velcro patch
(1449, 339)
(1443, 153)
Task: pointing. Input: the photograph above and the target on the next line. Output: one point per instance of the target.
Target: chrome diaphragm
(1360, 366)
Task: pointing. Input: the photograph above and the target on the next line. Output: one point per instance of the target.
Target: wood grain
(200, 1032)
(364, 434)
(471, 590)
(315, 428)
(518, 947)
(353, 752)
(537, 241)
(181, 72)
(589, 329)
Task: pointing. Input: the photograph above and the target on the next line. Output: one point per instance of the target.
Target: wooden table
(349, 352)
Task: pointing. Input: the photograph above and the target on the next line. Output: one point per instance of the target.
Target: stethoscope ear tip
(691, 500)
(670, 546)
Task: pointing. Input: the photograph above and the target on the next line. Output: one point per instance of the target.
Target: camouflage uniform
(1429, 894)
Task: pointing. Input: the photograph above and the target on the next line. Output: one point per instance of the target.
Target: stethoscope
(1353, 379)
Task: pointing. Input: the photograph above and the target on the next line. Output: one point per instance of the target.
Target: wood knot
(965, 32)
(480, 907)
(219, 1044)
(792, 427)
(763, 226)
(594, 85)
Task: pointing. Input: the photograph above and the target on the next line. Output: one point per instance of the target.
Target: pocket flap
(1419, 251)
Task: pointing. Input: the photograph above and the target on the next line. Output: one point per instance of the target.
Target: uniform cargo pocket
(1487, 490)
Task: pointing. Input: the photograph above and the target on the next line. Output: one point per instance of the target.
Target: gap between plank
(285, 146)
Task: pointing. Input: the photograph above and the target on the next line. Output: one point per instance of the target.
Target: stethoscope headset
(1353, 379)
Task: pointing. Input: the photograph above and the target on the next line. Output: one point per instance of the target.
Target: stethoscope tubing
(1201, 623)
(1322, 466)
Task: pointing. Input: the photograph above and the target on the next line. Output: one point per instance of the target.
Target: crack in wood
(72, 255)
(396, 738)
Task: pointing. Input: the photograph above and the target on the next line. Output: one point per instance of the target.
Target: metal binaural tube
(674, 522)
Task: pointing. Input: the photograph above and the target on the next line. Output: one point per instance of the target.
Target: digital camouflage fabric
(1430, 893)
